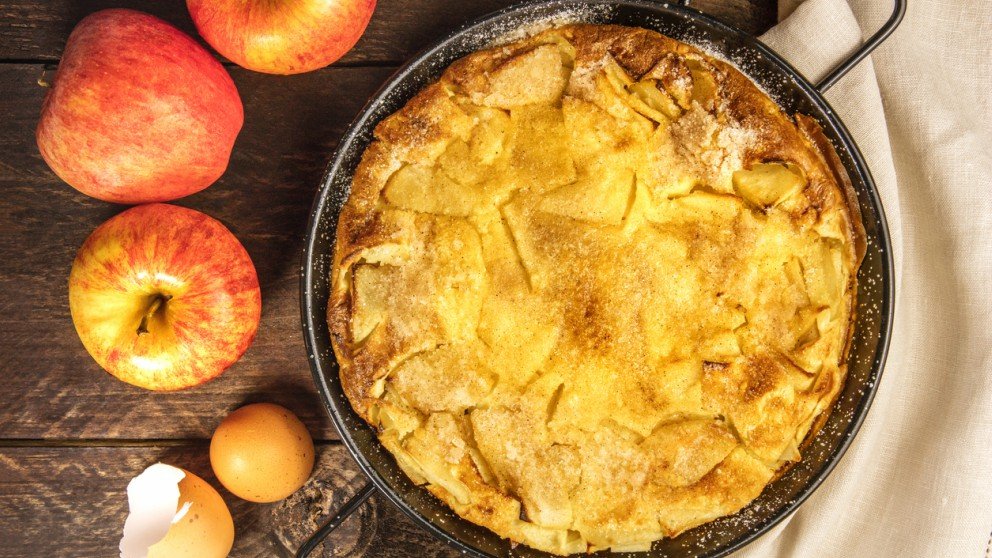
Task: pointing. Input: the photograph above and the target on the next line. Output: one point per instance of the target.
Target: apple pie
(595, 288)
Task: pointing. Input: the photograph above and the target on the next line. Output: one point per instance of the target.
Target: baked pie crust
(594, 288)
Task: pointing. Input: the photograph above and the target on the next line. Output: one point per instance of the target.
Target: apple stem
(157, 303)
(42, 81)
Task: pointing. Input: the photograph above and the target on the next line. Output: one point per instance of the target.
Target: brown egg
(262, 453)
(206, 530)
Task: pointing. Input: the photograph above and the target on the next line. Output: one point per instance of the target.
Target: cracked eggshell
(175, 514)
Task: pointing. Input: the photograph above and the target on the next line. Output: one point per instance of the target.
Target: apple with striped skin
(164, 297)
(283, 36)
(138, 111)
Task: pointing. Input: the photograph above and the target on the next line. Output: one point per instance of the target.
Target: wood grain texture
(53, 389)
(72, 502)
(36, 30)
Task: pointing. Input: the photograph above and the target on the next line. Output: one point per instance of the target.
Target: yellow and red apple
(281, 36)
(138, 111)
(164, 297)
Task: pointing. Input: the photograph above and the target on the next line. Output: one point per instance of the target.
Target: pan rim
(337, 164)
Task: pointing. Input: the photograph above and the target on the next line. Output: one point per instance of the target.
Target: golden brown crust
(814, 133)
(595, 288)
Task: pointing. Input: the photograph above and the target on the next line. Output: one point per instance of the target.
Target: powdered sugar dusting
(512, 31)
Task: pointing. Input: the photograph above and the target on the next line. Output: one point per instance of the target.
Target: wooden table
(71, 436)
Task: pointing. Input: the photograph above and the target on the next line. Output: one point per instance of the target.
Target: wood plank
(70, 502)
(265, 197)
(36, 30)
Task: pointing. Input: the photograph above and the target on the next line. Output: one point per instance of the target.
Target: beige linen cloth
(917, 482)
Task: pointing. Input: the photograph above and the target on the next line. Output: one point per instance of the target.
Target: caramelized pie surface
(594, 288)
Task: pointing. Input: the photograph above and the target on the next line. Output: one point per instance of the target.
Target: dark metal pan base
(791, 91)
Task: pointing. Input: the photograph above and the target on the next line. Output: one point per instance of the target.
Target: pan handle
(898, 11)
(335, 521)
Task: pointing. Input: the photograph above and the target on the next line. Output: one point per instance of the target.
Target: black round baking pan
(787, 87)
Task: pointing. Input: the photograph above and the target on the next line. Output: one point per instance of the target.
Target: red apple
(138, 111)
(281, 36)
(164, 297)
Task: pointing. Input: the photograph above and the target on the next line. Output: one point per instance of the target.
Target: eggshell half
(206, 530)
(175, 514)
